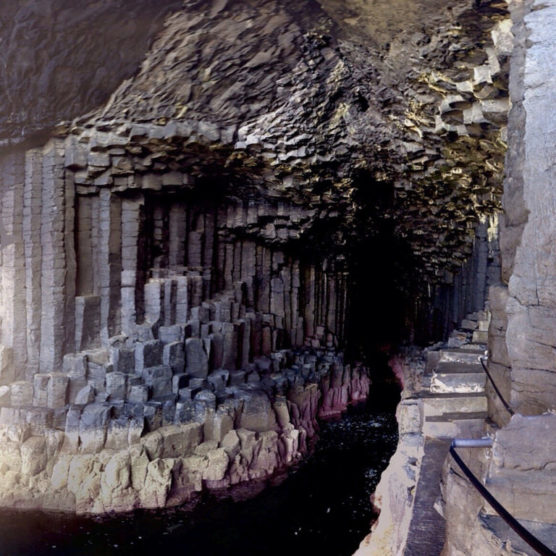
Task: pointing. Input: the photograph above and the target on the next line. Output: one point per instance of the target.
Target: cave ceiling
(360, 111)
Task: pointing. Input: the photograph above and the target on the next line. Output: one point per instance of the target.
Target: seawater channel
(322, 507)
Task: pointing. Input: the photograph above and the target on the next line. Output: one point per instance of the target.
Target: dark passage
(321, 508)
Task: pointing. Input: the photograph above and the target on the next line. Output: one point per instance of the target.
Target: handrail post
(485, 442)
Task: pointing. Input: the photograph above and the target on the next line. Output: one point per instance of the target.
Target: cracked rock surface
(178, 242)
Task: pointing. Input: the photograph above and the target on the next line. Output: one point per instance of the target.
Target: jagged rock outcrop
(328, 126)
(123, 454)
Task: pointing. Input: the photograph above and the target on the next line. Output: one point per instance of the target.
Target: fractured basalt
(174, 280)
(121, 454)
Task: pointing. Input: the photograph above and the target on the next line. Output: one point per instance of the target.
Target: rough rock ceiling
(364, 112)
(62, 58)
(319, 104)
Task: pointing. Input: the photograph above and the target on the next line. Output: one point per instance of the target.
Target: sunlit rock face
(183, 261)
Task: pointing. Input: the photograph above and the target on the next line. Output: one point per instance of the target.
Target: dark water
(321, 508)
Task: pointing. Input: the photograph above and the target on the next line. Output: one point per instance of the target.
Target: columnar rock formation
(180, 265)
(131, 303)
(523, 305)
(127, 251)
(520, 469)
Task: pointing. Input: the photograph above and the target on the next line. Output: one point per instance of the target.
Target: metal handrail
(530, 539)
(504, 402)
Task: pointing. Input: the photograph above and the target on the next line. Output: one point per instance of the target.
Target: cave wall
(61, 59)
(521, 335)
(297, 101)
(146, 321)
(518, 470)
(83, 263)
(178, 259)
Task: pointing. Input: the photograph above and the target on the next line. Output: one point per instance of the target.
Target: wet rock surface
(292, 515)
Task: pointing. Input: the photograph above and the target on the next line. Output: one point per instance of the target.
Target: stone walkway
(427, 527)
(454, 405)
(447, 400)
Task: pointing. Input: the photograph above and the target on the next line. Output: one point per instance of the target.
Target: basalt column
(14, 327)
(147, 320)
(178, 263)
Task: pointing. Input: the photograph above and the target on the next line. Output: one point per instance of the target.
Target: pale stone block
(40, 385)
(174, 356)
(21, 394)
(33, 455)
(57, 390)
(116, 386)
(92, 427)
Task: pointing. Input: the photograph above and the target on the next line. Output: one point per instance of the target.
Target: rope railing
(529, 538)
(504, 402)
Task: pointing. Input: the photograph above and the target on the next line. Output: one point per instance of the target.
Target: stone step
(480, 336)
(450, 367)
(471, 346)
(457, 340)
(468, 324)
(478, 315)
(461, 355)
(439, 404)
(457, 382)
(545, 532)
(453, 425)
(455, 376)
(458, 416)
